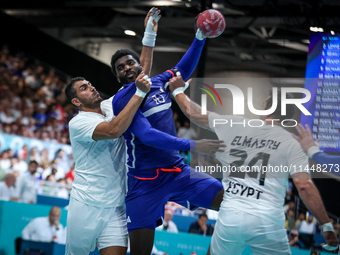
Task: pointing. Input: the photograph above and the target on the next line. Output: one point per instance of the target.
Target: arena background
(263, 38)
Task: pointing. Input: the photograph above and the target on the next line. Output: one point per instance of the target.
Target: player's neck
(95, 110)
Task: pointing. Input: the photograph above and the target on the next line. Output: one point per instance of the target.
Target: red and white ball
(211, 23)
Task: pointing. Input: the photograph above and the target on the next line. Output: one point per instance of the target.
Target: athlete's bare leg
(141, 241)
(215, 204)
(113, 250)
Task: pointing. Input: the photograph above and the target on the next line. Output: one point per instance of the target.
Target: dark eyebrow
(83, 85)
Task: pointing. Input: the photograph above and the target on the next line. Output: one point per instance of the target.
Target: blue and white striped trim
(133, 165)
(156, 109)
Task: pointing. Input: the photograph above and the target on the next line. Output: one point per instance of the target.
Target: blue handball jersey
(156, 110)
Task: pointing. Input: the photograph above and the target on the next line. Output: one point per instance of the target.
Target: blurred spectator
(293, 239)
(290, 221)
(62, 191)
(44, 156)
(289, 205)
(6, 116)
(57, 170)
(34, 155)
(187, 132)
(5, 162)
(26, 184)
(308, 226)
(62, 161)
(168, 224)
(45, 229)
(200, 226)
(41, 116)
(7, 188)
(301, 218)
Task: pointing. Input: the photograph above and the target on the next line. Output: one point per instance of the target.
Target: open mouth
(130, 74)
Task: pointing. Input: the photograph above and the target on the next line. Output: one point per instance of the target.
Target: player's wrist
(177, 91)
(192, 145)
(312, 150)
(327, 227)
(140, 93)
(149, 39)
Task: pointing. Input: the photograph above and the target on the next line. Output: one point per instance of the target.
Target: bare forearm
(123, 120)
(146, 59)
(311, 198)
(192, 110)
(117, 126)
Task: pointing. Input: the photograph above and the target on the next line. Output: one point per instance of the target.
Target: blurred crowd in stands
(32, 103)
(301, 225)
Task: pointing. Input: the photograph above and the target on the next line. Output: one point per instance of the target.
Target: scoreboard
(323, 81)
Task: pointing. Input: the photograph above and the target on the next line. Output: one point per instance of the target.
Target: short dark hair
(121, 53)
(203, 215)
(290, 108)
(33, 162)
(70, 92)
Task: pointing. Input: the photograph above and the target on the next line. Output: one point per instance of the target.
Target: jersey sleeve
(189, 61)
(297, 159)
(82, 128)
(142, 129)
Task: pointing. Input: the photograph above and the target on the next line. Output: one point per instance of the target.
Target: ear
(76, 102)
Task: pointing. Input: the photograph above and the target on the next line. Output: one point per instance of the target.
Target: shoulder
(85, 118)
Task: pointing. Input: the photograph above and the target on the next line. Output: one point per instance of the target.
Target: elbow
(115, 133)
(304, 186)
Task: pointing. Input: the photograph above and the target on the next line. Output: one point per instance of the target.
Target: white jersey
(100, 168)
(270, 151)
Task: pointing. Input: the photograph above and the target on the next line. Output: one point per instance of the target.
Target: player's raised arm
(149, 39)
(311, 198)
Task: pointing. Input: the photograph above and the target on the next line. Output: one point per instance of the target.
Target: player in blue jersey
(331, 162)
(157, 173)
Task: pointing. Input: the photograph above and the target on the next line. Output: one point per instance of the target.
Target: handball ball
(211, 23)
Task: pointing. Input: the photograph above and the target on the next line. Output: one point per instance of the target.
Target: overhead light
(291, 45)
(188, 5)
(316, 29)
(306, 41)
(332, 32)
(130, 32)
(177, 0)
(217, 6)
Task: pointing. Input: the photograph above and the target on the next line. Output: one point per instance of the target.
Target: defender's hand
(209, 147)
(151, 20)
(143, 82)
(151, 26)
(305, 138)
(332, 241)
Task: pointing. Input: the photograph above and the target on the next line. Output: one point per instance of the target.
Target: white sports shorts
(89, 226)
(235, 229)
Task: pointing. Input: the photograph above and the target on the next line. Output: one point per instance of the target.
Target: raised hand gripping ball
(211, 23)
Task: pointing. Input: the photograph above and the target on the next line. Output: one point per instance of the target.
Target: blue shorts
(150, 190)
